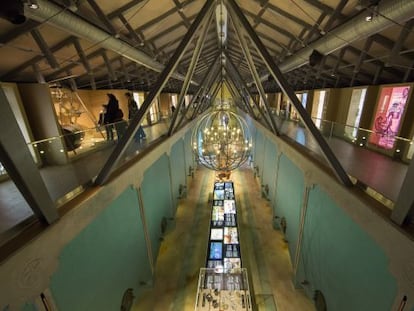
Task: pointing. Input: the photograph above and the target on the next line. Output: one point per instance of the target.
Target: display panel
(230, 220)
(217, 213)
(231, 263)
(218, 194)
(390, 108)
(230, 235)
(216, 234)
(214, 263)
(216, 250)
(232, 251)
(219, 185)
(229, 207)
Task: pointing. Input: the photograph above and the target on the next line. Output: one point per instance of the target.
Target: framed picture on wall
(388, 116)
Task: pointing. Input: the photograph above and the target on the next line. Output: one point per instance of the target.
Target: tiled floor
(183, 251)
(378, 171)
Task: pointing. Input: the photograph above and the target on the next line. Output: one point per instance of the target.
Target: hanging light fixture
(221, 140)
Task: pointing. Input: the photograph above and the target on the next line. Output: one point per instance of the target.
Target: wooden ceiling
(350, 51)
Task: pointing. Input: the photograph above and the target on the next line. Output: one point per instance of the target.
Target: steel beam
(190, 71)
(236, 94)
(363, 54)
(102, 16)
(37, 36)
(82, 56)
(131, 30)
(378, 73)
(17, 159)
(239, 78)
(209, 82)
(206, 91)
(269, 125)
(398, 45)
(200, 108)
(39, 76)
(234, 90)
(108, 64)
(277, 75)
(161, 81)
(255, 74)
(199, 90)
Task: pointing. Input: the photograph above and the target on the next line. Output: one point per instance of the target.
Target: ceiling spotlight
(369, 17)
(32, 4)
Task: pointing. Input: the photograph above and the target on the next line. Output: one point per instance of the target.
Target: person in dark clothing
(112, 108)
(103, 122)
(132, 106)
(111, 115)
(132, 112)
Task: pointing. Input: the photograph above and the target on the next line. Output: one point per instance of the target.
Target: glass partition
(366, 164)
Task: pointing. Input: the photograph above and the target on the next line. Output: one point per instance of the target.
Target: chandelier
(221, 140)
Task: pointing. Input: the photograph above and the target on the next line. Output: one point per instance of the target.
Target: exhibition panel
(223, 284)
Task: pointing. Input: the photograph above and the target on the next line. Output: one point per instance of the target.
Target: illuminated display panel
(231, 263)
(230, 235)
(218, 213)
(390, 109)
(218, 194)
(216, 234)
(216, 250)
(229, 207)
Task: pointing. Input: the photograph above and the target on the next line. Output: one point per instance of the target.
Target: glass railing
(70, 162)
(79, 155)
(375, 161)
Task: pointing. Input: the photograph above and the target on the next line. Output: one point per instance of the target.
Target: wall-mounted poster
(390, 109)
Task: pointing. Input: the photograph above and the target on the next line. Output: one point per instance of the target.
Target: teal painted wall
(26, 307)
(270, 163)
(105, 259)
(289, 198)
(156, 198)
(189, 157)
(259, 149)
(178, 171)
(341, 260)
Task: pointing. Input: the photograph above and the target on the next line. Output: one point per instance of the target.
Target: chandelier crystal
(221, 140)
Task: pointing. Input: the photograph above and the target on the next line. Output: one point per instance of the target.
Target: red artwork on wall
(390, 109)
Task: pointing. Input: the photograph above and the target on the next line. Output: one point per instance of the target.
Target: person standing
(111, 114)
(132, 112)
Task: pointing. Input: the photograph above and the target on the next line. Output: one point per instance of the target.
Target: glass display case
(223, 284)
(223, 291)
(224, 236)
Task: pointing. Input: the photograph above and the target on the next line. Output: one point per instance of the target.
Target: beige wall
(338, 105)
(369, 107)
(94, 99)
(165, 104)
(41, 116)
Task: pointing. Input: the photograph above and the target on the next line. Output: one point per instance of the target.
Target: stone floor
(183, 251)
